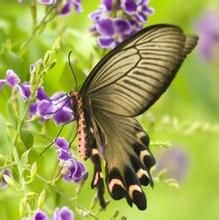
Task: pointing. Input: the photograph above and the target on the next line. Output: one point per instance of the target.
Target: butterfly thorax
(81, 123)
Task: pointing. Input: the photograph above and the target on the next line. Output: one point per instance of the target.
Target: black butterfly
(123, 85)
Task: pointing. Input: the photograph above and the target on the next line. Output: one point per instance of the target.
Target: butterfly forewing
(124, 84)
(132, 77)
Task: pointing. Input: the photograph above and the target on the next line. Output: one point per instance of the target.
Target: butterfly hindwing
(128, 158)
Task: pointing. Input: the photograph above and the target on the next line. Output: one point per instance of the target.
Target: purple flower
(40, 215)
(111, 29)
(130, 6)
(41, 95)
(62, 105)
(24, 90)
(108, 4)
(61, 109)
(33, 109)
(208, 28)
(58, 107)
(47, 2)
(138, 9)
(3, 183)
(45, 109)
(105, 27)
(63, 213)
(77, 5)
(64, 115)
(11, 79)
(55, 107)
(116, 20)
(63, 150)
(73, 170)
(175, 161)
(67, 7)
(62, 144)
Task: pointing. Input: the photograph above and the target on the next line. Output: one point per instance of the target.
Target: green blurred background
(190, 107)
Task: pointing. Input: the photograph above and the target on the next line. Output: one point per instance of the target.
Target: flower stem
(37, 27)
(17, 134)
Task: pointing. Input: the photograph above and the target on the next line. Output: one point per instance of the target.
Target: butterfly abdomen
(83, 147)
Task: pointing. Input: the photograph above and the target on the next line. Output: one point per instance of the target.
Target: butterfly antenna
(72, 140)
(60, 131)
(72, 70)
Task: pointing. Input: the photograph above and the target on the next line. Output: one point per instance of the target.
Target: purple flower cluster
(208, 28)
(47, 2)
(67, 5)
(73, 170)
(63, 213)
(116, 20)
(175, 161)
(58, 106)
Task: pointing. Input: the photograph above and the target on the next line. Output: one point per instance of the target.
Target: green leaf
(26, 138)
(24, 157)
(10, 58)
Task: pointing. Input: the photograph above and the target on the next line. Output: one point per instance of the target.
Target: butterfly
(123, 85)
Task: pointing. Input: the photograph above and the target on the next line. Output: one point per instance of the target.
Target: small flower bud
(24, 208)
(41, 199)
(9, 180)
(33, 170)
